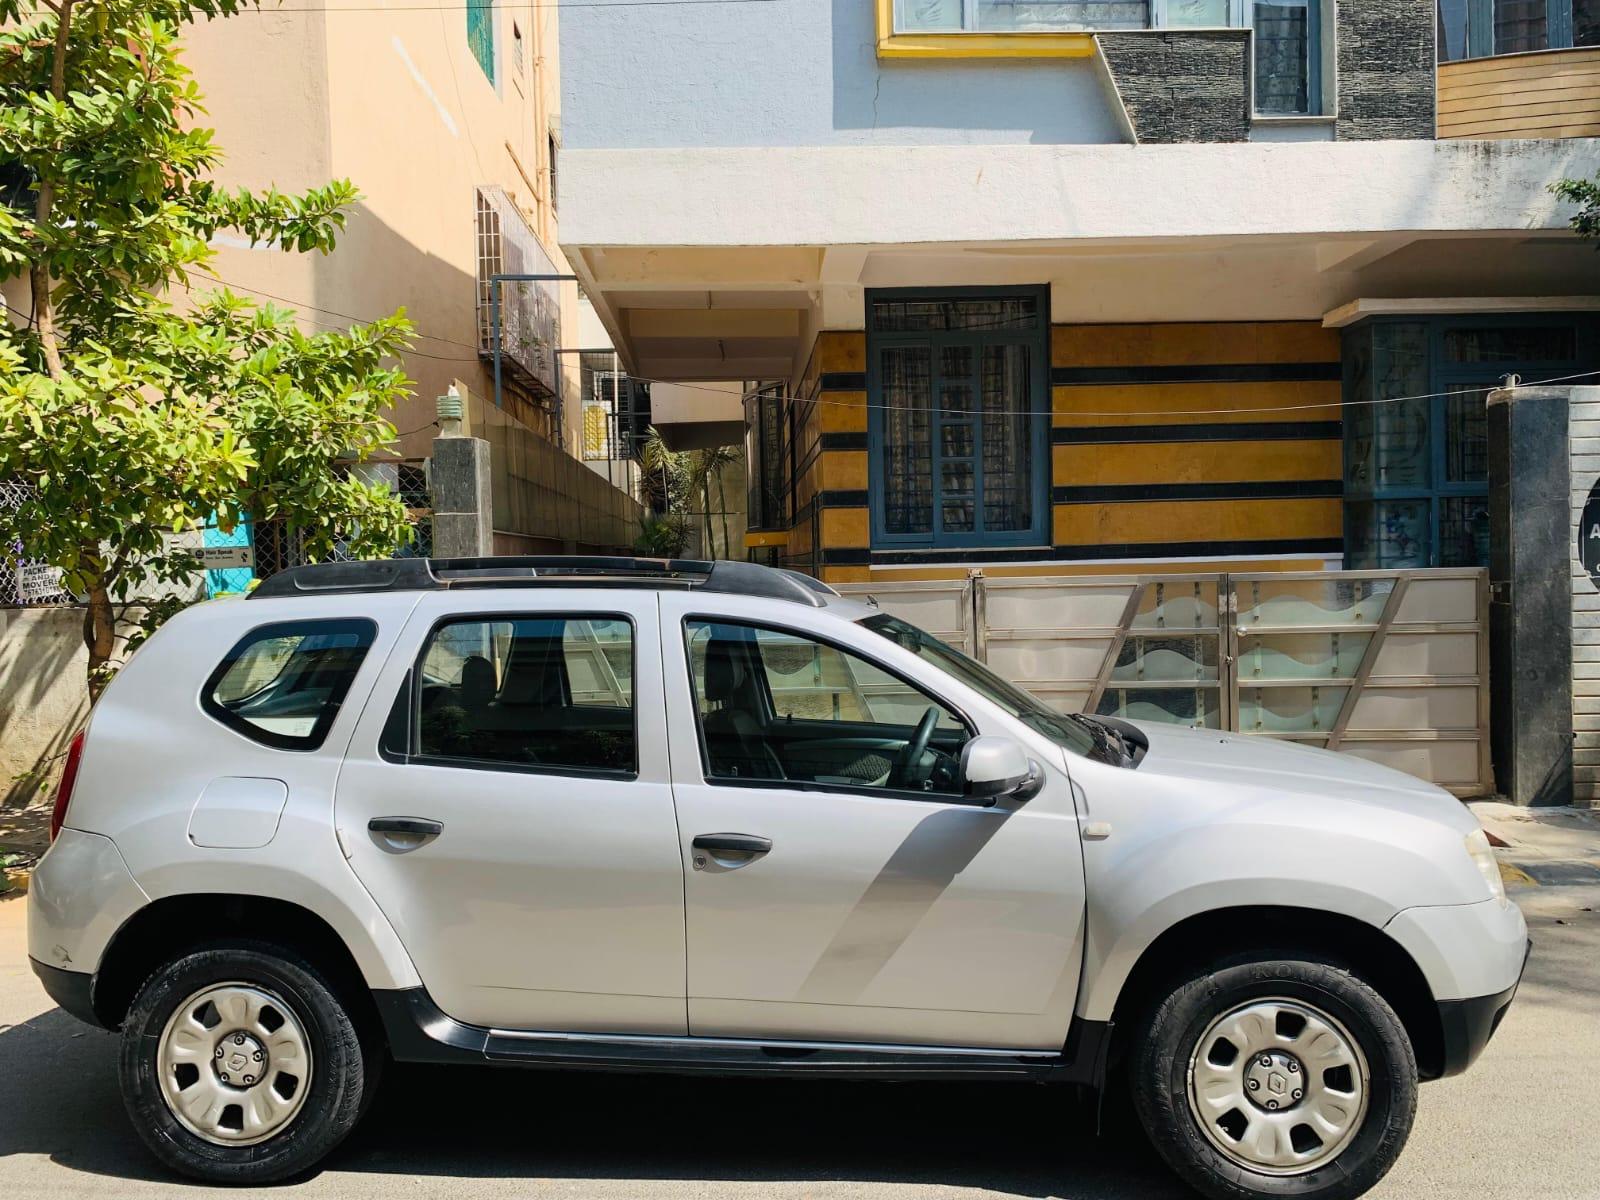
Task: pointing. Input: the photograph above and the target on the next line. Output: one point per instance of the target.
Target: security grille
(530, 312)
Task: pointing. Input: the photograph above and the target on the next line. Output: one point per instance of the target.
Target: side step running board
(420, 1032)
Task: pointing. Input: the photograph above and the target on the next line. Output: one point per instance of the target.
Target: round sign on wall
(1589, 535)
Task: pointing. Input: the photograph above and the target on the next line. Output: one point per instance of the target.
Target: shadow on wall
(43, 700)
(1044, 102)
(375, 270)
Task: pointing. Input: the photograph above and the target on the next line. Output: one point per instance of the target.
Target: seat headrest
(725, 671)
(477, 682)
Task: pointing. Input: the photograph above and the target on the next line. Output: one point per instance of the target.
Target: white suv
(676, 816)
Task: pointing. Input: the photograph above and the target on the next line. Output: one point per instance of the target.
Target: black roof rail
(435, 574)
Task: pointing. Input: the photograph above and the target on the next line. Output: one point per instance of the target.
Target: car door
(506, 801)
(834, 892)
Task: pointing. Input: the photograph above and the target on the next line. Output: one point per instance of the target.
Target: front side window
(546, 692)
(1030, 710)
(777, 706)
(958, 426)
(282, 684)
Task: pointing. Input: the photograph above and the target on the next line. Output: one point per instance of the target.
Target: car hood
(1291, 769)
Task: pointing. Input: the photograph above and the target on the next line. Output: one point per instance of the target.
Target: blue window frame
(1484, 28)
(1416, 427)
(958, 430)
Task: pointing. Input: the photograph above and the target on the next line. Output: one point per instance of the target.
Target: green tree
(127, 417)
(1585, 193)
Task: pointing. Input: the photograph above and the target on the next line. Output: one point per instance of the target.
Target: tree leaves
(165, 418)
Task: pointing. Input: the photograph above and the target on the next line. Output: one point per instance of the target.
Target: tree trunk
(44, 309)
(100, 636)
(705, 496)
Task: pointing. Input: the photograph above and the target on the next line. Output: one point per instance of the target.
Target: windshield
(1070, 732)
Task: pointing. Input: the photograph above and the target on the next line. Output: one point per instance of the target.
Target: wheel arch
(173, 925)
(1205, 939)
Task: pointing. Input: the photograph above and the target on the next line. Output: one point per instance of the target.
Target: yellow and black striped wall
(1170, 442)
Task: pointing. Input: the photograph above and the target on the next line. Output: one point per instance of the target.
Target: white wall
(801, 73)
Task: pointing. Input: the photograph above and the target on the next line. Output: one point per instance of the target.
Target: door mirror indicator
(995, 768)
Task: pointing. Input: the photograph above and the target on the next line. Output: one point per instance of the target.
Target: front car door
(842, 889)
(530, 730)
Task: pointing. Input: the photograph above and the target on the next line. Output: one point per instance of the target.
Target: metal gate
(1388, 665)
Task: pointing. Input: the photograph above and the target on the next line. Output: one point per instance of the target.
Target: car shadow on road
(61, 1100)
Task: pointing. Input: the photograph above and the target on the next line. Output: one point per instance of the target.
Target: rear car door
(506, 801)
(834, 890)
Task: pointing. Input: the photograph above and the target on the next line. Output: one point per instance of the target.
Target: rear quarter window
(282, 684)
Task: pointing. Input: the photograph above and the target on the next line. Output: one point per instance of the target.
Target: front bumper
(1468, 1025)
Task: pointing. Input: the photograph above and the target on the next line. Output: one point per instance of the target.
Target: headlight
(1483, 858)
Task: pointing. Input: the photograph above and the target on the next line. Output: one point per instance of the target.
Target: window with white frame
(1288, 33)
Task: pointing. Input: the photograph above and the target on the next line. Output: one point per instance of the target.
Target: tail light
(69, 779)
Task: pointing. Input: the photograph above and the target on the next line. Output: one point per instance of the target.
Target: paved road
(1521, 1125)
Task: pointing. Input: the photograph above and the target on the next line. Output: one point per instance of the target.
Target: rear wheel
(1276, 1078)
(240, 1064)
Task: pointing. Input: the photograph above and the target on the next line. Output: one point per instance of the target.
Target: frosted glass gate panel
(1391, 666)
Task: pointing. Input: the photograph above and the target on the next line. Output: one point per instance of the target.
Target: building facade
(448, 121)
(1050, 287)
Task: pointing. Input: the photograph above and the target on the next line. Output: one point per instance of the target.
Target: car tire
(240, 1064)
(1315, 1101)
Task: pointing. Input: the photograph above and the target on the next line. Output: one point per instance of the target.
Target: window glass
(480, 34)
(1466, 434)
(1027, 708)
(1463, 531)
(1586, 22)
(1453, 26)
(1004, 15)
(1520, 25)
(1284, 44)
(958, 393)
(777, 705)
(1511, 344)
(1201, 14)
(1388, 534)
(282, 684)
(549, 691)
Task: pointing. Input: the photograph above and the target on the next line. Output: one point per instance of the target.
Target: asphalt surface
(1521, 1124)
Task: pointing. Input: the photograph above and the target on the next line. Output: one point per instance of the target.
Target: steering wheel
(906, 764)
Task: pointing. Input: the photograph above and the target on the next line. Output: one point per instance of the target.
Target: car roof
(442, 574)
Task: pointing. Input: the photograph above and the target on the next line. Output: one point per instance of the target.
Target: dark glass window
(778, 706)
(282, 685)
(1416, 428)
(1520, 26)
(1510, 344)
(959, 423)
(764, 458)
(546, 692)
(1586, 22)
(1285, 48)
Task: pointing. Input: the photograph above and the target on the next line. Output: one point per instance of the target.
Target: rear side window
(552, 692)
(282, 685)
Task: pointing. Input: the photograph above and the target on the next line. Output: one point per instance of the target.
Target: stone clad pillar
(1530, 595)
(463, 508)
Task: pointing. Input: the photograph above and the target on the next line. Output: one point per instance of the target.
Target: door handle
(402, 834)
(729, 851)
(732, 843)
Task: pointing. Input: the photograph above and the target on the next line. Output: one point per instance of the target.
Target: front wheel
(240, 1064)
(1276, 1078)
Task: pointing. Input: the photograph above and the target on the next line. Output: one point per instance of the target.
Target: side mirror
(995, 768)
